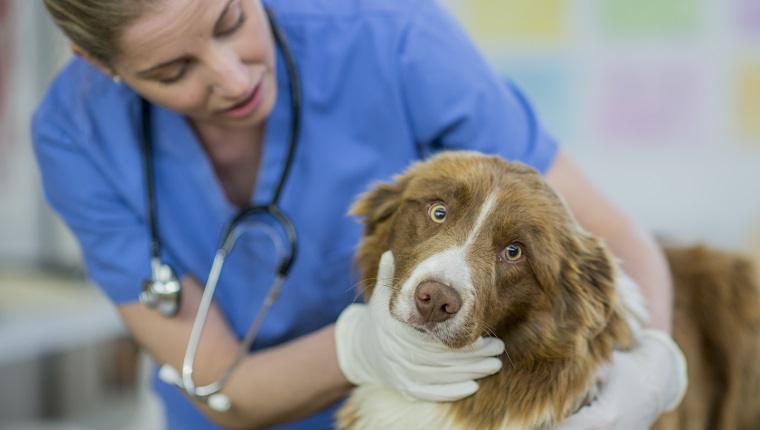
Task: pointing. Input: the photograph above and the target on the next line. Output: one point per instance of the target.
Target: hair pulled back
(96, 25)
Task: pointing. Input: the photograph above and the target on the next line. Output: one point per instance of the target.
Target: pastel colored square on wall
(548, 88)
(650, 17)
(748, 92)
(651, 103)
(748, 16)
(505, 20)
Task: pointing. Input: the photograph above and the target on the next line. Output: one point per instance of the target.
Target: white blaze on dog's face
(480, 245)
(439, 294)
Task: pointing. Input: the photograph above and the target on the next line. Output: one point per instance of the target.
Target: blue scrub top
(384, 82)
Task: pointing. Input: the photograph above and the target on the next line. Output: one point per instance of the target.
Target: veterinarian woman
(295, 107)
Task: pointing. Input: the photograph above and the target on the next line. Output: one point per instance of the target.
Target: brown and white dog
(483, 246)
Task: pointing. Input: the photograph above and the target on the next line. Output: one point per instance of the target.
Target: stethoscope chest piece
(162, 291)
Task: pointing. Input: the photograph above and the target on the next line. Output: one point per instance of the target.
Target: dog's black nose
(436, 302)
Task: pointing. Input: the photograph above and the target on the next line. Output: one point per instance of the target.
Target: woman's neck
(235, 154)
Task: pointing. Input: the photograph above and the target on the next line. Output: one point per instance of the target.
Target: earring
(116, 79)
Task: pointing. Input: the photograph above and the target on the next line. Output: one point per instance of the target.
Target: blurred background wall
(65, 362)
(30, 52)
(658, 99)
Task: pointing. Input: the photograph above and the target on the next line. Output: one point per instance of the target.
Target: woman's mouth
(248, 105)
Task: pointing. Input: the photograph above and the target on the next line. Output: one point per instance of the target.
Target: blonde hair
(96, 25)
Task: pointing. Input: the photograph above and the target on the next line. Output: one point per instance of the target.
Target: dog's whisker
(508, 357)
(360, 291)
(491, 331)
(364, 282)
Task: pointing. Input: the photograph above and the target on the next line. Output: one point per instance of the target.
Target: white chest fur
(382, 408)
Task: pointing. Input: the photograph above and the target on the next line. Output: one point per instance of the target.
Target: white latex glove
(641, 384)
(375, 348)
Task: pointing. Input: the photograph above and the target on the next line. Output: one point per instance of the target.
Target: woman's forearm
(284, 383)
(644, 261)
(269, 387)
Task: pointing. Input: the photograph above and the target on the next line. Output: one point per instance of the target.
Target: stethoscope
(162, 290)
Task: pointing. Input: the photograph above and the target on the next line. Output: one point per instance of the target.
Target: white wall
(20, 205)
(709, 196)
(29, 234)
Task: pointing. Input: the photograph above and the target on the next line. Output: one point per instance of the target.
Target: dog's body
(485, 247)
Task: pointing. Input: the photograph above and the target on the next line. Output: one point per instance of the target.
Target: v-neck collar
(176, 141)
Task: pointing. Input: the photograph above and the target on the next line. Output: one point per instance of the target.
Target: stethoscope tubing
(184, 380)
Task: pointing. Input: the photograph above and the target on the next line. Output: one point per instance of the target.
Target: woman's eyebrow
(152, 69)
(224, 12)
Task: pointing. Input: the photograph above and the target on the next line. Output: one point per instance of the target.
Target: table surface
(41, 314)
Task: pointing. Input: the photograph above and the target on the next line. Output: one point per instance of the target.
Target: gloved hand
(641, 384)
(375, 348)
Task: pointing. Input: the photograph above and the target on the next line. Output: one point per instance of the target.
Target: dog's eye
(511, 253)
(437, 213)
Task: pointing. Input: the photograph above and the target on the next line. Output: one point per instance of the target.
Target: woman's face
(210, 60)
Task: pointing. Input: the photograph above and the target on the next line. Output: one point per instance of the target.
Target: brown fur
(717, 325)
(557, 310)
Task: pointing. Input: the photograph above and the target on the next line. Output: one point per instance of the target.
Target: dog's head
(483, 246)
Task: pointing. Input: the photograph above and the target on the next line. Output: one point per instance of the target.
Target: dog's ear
(377, 205)
(585, 304)
(376, 208)
(588, 274)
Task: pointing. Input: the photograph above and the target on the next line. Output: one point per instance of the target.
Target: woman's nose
(230, 77)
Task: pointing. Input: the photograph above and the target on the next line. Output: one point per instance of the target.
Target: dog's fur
(561, 308)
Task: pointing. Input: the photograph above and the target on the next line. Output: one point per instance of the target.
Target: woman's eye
(232, 24)
(173, 74)
(511, 253)
(437, 213)
(176, 77)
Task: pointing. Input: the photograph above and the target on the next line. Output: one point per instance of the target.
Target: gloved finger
(412, 340)
(425, 349)
(629, 391)
(477, 369)
(442, 392)
(483, 347)
(434, 356)
(348, 328)
(487, 346)
(418, 345)
(387, 267)
(380, 300)
(666, 360)
(454, 374)
(381, 294)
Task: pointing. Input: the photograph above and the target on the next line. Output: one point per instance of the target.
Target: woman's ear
(107, 70)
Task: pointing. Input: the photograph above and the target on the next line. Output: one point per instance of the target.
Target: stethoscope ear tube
(162, 291)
